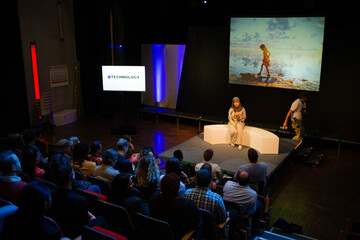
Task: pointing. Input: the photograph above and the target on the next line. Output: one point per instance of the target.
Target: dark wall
(13, 100)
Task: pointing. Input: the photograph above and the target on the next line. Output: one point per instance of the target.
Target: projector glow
(123, 78)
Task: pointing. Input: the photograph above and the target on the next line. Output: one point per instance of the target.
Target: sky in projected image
(295, 45)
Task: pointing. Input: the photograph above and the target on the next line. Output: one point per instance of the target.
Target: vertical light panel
(35, 71)
(158, 53)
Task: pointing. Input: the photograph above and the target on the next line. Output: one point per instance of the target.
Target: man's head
(62, 171)
(178, 154)
(253, 155)
(109, 157)
(243, 178)
(303, 96)
(122, 145)
(9, 163)
(208, 154)
(66, 145)
(95, 147)
(203, 178)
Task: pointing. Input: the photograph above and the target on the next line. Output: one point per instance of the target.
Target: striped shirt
(204, 198)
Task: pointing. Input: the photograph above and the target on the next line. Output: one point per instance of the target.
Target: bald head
(243, 178)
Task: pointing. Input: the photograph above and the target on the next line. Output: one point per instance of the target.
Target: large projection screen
(290, 55)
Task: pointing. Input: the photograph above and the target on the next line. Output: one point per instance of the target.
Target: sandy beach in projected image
(288, 69)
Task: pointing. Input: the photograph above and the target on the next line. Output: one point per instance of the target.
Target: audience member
(76, 184)
(30, 161)
(147, 176)
(204, 198)
(10, 183)
(130, 154)
(256, 170)
(75, 141)
(81, 156)
(32, 137)
(240, 193)
(124, 193)
(68, 208)
(95, 151)
(173, 166)
(182, 214)
(216, 171)
(28, 221)
(122, 164)
(66, 146)
(106, 169)
(15, 144)
(179, 155)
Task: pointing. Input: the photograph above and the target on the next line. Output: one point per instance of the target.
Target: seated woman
(95, 151)
(130, 154)
(29, 162)
(124, 193)
(81, 156)
(106, 169)
(147, 176)
(182, 214)
(173, 166)
(28, 221)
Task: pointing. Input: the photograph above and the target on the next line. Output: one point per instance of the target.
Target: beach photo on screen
(283, 52)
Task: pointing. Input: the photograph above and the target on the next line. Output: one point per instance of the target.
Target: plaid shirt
(204, 198)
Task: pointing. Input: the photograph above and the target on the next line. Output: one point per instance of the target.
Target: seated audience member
(122, 164)
(204, 198)
(216, 171)
(28, 221)
(68, 208)
(179, 155)
(106, 169)
(10, 183)
(66, 146)
(81, 156)
(30, 161)
(256, 170)
(32, 137)
(124, 193)
(76, 184)
(130, 154)
(240, 193)
(173, 166)
(75, 141)
(95, 151)
(147, 176)
(182, 214)
(16, 144)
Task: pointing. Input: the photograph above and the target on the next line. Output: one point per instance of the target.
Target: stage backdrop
(205, 90)
(163, 64)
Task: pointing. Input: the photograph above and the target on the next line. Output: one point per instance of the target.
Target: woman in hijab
(236, 124)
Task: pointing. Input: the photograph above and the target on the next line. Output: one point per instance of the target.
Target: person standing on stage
(297, 109)
(236, 124)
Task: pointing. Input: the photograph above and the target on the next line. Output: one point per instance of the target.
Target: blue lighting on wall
(158, 53)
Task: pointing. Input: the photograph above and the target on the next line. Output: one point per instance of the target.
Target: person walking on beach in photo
(266, 59)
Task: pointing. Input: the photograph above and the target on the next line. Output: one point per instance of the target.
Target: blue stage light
(158, 53)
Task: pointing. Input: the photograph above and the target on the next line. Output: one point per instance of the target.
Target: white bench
(263, 141)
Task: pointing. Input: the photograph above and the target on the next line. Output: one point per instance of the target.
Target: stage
(229, 158)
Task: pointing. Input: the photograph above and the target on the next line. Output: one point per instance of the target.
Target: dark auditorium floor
(317, 198)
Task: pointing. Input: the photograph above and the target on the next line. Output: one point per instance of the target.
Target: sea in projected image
(295, 45)
(288, 68)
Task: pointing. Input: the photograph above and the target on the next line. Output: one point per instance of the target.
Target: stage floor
(229, 158)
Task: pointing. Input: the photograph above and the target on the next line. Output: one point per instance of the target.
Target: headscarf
(239, 108)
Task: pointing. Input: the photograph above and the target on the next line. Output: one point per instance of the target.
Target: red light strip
(35, 71)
